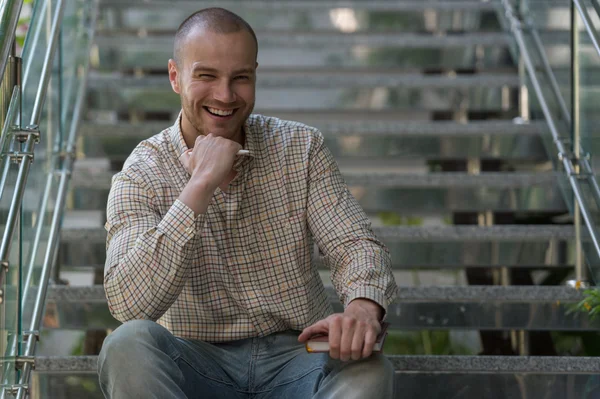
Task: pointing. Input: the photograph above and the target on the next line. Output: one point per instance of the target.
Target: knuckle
(349, 322)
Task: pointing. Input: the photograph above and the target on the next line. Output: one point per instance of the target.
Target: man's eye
(205, 76)
(242, 77)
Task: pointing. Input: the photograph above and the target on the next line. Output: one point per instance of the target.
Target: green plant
(590, 304)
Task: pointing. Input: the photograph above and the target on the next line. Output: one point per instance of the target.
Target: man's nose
(223, 92)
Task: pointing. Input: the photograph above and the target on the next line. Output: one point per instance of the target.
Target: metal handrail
(27, 153)
(564, 157)
(587, 169)
(54, 236)
(589, 26)
(9, 18)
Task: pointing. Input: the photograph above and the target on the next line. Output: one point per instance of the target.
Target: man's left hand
(352, 334)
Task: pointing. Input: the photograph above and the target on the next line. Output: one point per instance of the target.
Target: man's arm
(360, 264)
(148, 258)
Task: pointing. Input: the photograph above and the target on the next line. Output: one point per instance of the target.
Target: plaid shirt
(244, 268)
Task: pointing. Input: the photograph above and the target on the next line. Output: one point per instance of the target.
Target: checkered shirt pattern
(245, 267)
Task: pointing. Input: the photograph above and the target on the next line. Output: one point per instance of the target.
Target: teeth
(219, 111)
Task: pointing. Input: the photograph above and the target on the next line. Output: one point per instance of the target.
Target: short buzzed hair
(217, 20)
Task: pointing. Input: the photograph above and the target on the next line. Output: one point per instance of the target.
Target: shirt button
(189, 230)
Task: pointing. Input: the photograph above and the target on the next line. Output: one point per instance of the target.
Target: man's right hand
(210, 162)
(211, 159)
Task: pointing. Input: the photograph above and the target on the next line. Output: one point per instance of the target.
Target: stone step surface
(310, 5)
(364, 125)
(456, 233)
(323, 79)
(98, 179)
(494, 308)
(432, 294)
(403, 364)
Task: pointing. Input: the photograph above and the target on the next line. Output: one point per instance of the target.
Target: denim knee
(128, 343)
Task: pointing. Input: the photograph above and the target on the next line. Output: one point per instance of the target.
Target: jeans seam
(206, 375)
(291, 380)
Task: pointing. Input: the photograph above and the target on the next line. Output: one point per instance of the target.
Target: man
(209, 261)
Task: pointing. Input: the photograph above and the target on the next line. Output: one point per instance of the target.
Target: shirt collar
(251, 143)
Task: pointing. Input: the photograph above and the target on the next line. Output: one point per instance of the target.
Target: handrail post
(576, 134)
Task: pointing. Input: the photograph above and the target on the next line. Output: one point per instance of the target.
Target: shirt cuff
(371, 293)
(180, 225)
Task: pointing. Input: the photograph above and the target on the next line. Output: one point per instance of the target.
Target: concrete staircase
(419, 103)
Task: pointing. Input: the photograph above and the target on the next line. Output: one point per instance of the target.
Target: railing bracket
(23, 134)
(21, 361)
(27, 334)
(14, 389)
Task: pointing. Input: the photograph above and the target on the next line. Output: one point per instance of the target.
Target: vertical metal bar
(9, 17)
(576, 132)
(47, 66)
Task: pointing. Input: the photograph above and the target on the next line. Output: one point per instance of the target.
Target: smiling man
(209, 253)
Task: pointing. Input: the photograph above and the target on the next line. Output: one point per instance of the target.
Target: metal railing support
(564, 155)
(576, 134)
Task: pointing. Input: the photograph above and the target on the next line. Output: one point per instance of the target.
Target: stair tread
(402, 363)
(378, 177)
(323, 79)
(437, 294)
(344, 126)
(373, 5)
(160, 43)
(425, 233)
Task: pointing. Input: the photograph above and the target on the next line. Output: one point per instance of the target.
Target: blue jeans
(142, 359)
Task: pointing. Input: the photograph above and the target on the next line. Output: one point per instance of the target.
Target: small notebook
(320, 343)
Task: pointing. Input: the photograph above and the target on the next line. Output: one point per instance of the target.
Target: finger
(348, 328)
(370, 338)
(335, 337)
(320, 327)
(201, 137)
(358, 341)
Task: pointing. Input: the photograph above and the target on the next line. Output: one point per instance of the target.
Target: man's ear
(174, 76)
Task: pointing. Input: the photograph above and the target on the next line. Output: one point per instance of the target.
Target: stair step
(433, 294)
(306, 49)
(434, 247)
(364, 140)
(482, 377)
(101, 179)
(362, 126)
(442, 267)
(480, 92)
(403, 364)
(309, 5)
(322, 79)
(456, 233)
(164, 44)
(495, 308)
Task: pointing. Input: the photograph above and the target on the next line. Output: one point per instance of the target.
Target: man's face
(216, 82)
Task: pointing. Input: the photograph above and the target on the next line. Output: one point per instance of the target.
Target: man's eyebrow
(200, 67)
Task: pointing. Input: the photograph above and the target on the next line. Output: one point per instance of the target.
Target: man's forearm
(197, 194)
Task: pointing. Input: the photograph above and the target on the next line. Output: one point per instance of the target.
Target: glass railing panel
(586, 96)
(57, 121)
(10, 316)
(41, 185)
